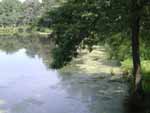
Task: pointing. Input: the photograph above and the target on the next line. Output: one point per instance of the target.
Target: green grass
(145, 70)
(22, 30)
(7, 30)
(10, 30)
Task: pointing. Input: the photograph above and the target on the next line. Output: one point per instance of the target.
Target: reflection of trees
(99, 95)
(34, 45)
(9, 46)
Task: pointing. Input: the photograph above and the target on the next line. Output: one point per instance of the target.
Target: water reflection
(28, 85)
(33, 46)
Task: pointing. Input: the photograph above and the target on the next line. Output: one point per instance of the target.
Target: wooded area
(122, 26)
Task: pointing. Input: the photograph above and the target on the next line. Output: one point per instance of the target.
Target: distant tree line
(15, 13)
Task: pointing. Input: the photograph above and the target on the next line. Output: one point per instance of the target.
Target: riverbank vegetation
(14, 30)
(23, 31)
(122, 27)
(21, 17)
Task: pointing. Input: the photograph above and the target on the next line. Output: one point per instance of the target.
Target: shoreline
(21, 31)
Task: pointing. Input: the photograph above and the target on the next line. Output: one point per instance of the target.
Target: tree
(31, 11)
(135, 44)
(10, 11)
(46, 7)
(136, 8)
(79, 23)
(49, 4)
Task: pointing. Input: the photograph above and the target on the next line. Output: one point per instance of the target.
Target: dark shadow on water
(137, 104)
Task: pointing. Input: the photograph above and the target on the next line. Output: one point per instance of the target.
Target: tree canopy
(14, 13)
(10, 11)
(81, 23)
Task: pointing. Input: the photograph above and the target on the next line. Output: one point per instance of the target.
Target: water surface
(28, 85)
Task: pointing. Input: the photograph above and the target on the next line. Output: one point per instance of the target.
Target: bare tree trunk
(135, 47)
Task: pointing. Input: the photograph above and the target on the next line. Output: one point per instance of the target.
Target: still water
(28, 85)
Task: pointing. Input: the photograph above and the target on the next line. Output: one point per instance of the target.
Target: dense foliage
(10, 11)
(15, 13)
(83, 23)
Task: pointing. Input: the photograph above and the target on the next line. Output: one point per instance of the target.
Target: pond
(29, 85)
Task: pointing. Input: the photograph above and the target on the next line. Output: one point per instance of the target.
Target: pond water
(28, 85)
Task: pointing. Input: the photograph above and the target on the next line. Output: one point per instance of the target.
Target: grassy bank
(97, 63)
(14, 30)
(22, 30)
(127, 65)
(93, 63)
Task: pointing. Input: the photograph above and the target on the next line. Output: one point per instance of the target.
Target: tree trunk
(135, 47)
